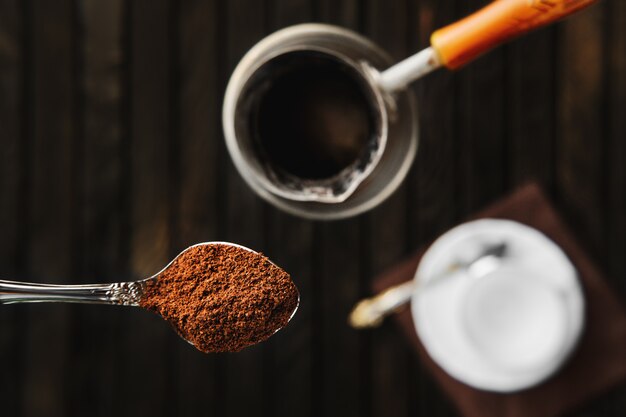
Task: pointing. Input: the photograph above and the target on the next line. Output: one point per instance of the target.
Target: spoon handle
(370, 312)
(119, 293)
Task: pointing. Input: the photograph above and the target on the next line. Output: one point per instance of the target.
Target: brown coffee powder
(222, 298)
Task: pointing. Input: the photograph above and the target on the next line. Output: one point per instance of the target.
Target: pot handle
(461, 42)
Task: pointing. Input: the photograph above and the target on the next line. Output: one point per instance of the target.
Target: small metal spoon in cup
(119, 293)
(371, 312)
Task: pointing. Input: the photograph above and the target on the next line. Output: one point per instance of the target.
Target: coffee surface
(314, 120)
(222, 298)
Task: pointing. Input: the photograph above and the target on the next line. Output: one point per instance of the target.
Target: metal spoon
(371, 312)
(118, 293)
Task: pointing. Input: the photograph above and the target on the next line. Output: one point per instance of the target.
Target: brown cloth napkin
(599, 361)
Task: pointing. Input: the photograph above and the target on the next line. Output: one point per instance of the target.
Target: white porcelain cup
(504, 328)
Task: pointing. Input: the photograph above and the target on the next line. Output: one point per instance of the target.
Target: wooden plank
(580, 147)
(149, 339)
(481, 135)
(340, 379)
(615, 170)
(200, 132)
(289, 369)
(616, 166)
(345, 13)
(289, 365)
(51, 213)
(243, 216)
(432, 196)
(581, 139)
(388, 234)
(283, 13)
(530, 108)
(199, 136)
(95, 344)
(11, 65)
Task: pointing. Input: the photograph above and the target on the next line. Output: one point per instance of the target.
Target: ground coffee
(222, 298)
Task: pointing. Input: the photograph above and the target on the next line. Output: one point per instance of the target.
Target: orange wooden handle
(500, 21)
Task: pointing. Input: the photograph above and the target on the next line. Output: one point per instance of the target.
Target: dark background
(112, 160)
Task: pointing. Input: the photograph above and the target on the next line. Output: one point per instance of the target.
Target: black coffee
(313, 118)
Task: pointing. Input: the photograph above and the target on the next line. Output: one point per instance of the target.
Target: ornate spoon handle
(119, 293)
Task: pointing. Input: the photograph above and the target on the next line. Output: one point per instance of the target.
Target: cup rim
(321, 190)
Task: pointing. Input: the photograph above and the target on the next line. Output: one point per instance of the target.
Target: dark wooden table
(112, 160)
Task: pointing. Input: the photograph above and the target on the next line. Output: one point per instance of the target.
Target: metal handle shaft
(119, 293)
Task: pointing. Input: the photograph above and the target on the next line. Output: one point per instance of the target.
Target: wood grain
(11, 112)
(615, 166)
(147, 371)
(388, 234)
(580, 137)
(482, 157)
(345, 13)
(615, 163)
(530, 110)
(113, 160)
(432, 199)
(51, 214)
(290, 243)
(95, 335)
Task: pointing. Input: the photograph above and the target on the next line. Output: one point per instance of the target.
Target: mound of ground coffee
(222, 298)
